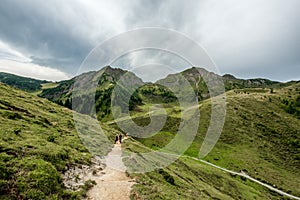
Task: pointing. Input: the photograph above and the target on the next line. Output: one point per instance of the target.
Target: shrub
(17, 131)
(297, 103)
(167, 176)
(13, 115)
(51, 138)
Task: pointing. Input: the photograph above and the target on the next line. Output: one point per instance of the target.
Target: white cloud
(243, 37)
(251, 38)
(32, 70)
(7, 53)
(12, 61)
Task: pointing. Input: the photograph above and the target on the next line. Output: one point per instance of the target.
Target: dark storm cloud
(36, 30)
(246, 38)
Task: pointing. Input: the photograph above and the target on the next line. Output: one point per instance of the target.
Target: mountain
(154, 92)
(23, 83)
(38, 143)
(38, 140)
(61, 92)
(107, 78)
(195, 76)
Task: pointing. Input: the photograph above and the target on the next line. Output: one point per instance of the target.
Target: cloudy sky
(249, 38)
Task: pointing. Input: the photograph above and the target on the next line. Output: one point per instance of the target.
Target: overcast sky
(249, 38)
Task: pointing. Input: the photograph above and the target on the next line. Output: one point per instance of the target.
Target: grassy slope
(23, 83)
(259, 137)
(45, 86)
(190, 179)
(37, 142)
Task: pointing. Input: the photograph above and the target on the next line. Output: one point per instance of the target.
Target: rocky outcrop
(77, 175)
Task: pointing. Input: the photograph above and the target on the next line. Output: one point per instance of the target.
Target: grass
(23, 83)
(260, 137)
(190, 179)
(38, 142)
(45, 86)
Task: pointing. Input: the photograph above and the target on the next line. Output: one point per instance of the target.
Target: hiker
(116, 139)
(120, 138)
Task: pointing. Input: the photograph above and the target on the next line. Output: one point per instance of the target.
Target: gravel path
(113, 184)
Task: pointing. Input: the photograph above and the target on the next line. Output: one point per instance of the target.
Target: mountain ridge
(260, 137)
(112, 69)
(61, 92)
(24, 83)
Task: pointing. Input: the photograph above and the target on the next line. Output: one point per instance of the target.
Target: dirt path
(113, 184)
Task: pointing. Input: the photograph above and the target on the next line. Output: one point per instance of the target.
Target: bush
(167, 176)
(297, 103)
(51, 138)
(17, 131)
(13, 115)
(3, 186)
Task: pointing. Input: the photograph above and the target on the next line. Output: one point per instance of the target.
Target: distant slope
(23, 83)
(62, 94)
(195, 77)
(260, 136)
(154, 92)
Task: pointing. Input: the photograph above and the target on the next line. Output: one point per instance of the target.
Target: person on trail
(116, 139)
(120, 138)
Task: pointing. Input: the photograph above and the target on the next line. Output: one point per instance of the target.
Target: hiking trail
(113, 184)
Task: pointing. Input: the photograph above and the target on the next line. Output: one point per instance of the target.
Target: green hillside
(261, 133)
(62, 93)
(38, 142)
(23, 83)
(261, 137)
(190, 179)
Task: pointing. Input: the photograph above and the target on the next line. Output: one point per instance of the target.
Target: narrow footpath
(113, 184)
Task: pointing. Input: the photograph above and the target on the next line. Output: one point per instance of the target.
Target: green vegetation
(196, 77)
(190, 179)
(155, 93)
(260, 136)
(292, 106)
(38, 141)
(23, 83)
(62, 93)
(261, 133)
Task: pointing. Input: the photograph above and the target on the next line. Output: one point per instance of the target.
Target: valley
(39, 141)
